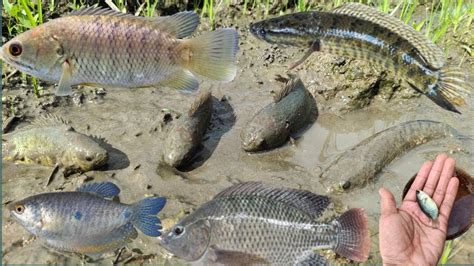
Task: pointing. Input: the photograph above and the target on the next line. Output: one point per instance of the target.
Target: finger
(435, 172)
(388, 205)
(419, 181)
(446, 174)
(448, 202)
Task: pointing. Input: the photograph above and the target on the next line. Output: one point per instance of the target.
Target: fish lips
(258, 30)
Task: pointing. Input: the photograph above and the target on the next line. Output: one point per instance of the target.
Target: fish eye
(262, 32)
(89, 158)
(178, 230)
(19, 208)
(15, 49)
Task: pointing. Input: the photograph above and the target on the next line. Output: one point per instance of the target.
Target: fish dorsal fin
(292, 83)
(105, 189)
(203, 98)
(97, 11)
(179, 25)
(50, 120)
(430, 53)
(308, 202)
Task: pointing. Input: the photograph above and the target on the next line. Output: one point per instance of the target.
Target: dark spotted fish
(187, 132)
(252, 223)
(273, 125)
(358, 31)
(360, 165)
(86, 221)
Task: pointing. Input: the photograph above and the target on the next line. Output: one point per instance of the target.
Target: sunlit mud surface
(132, 123)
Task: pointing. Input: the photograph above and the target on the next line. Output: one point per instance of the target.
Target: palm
(406, 234)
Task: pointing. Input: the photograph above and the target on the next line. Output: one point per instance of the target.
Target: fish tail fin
(453, 84)
(212, 54)
(353, 235)
(144, 215)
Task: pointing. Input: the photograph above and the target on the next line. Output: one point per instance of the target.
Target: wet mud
(354, 101)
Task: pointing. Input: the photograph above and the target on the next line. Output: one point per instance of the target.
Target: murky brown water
(130, 121)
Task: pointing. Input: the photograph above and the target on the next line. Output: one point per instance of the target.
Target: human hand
(406, 235)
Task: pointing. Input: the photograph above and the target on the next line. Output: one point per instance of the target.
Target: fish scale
(253, 223)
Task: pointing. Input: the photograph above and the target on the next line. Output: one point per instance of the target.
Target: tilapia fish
(272, 126)
(361, 32)
(359, 165)
(185, 136)
(85, 221)
(101, 47)
(50, 141)
(252, 223)
(427, 204)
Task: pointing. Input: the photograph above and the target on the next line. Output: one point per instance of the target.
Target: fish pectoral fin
(64, 86)
(314, 47)
(181, 80)
(311, 258)
(230, 257)
(105, 189)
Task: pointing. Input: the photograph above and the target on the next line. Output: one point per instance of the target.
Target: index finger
(419, 181)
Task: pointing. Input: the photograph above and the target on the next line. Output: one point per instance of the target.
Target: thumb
(387, 202)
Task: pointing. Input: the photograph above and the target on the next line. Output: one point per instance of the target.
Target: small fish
(85, 221)
(185, 136)
(427, 204)
(50, 141)
(252, 223)
(362, 32)
(101, 47)
(360, 165)
(272, 126)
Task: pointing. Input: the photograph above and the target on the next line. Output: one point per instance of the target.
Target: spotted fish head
(280, 30)
(28, 213)
(85, 154)
(188, 239)
(36, 52)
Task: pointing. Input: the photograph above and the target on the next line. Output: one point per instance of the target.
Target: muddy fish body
(361, 32)
(427, 204)
(187, 132)
(251, 223)
(86, 221)
(360, 165)
(105, 48)
(49, 141)
(272, 126)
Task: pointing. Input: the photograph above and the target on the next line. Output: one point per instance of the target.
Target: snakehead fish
(252, 223)
(184, 137)
(101, 47)
(378, 150)
(86, 221)
(273, 125)
(358, 31)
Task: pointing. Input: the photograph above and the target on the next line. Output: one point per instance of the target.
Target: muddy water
(132, 123)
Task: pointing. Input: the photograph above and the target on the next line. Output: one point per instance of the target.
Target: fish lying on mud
(362, 32)
(359, 165)
(101, 47)
(273, 125)
(86, 221)
(187, 132)
(251, 223)
(50, 141)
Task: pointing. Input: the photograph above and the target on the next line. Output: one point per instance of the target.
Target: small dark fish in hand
(362, 32)
(187, 132)
(272, 126)
(85, 221)
(252, 223)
